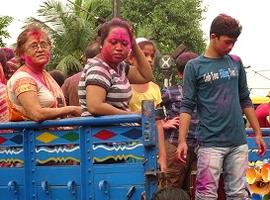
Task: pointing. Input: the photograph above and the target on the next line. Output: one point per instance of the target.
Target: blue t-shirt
(219, 88)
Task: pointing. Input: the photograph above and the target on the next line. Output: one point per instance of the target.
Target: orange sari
(24, 80)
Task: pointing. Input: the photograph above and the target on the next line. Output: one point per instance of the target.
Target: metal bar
(76, 121)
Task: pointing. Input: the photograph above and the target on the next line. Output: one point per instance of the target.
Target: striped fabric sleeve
(98, 75)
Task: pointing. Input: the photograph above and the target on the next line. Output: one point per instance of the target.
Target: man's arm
(250, 114)
(182, 148)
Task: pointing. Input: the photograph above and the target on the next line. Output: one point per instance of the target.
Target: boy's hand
(260, 144)
(181, 152)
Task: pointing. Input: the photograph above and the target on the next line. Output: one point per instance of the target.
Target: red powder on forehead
(36, 34)
(120, 34)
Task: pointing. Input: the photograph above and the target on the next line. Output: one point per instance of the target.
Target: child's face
(223, 44)
(149, 52)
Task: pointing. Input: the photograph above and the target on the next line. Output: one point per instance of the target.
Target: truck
(83, 158)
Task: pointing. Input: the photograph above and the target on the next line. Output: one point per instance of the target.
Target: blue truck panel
(109, 157)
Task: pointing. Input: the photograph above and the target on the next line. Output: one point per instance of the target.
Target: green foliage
(72, 26)
(69, 65)
(168, 23)
(4, 22)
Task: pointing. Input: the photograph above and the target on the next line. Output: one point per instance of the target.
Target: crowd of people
(203, 130)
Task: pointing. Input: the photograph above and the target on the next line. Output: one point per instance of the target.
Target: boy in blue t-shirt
(216, 83)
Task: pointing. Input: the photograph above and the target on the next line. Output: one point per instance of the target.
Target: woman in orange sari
(32, 93)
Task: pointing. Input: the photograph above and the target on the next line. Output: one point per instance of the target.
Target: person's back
(58, 76)
(70, 86)
(262, 113)
(70, 89)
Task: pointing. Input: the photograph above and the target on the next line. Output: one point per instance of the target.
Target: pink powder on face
(36, 35)
(116, 46)
(31, 61)
(37, 59)
(119, 34)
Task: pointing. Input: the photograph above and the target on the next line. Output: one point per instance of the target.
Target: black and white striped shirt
(115, 83)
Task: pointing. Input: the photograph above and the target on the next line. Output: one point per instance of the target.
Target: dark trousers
(178, 174)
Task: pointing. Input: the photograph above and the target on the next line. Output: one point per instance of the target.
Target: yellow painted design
(46, 137)
(57, 160)
(118, 157)
(11, 160)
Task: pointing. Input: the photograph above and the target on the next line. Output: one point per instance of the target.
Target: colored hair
(92, 50)
(225, 25)
(24, 35)
(105, 28)
(182, 60)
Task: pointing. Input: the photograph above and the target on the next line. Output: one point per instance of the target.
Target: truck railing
(108, 157)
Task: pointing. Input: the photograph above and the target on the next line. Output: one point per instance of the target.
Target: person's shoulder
(19, 75)
(154, 85)
(195, 61)
(94, 62)
(172, 90)
(74, 77)
(235, 58)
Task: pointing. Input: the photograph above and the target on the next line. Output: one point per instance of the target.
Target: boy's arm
(250, 114)
(182, 148)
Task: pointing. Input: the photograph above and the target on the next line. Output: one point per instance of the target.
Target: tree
(4, 22)
(168, 23)
(72, 26)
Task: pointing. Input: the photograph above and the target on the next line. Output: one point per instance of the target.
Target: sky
(252, 45)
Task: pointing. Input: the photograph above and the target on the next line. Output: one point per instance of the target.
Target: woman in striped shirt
(104, 88)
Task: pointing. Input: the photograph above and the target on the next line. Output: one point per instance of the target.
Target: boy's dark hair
(58, 76)
(92, 50)
(171, 193)
(182, 60)
(225, 25)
